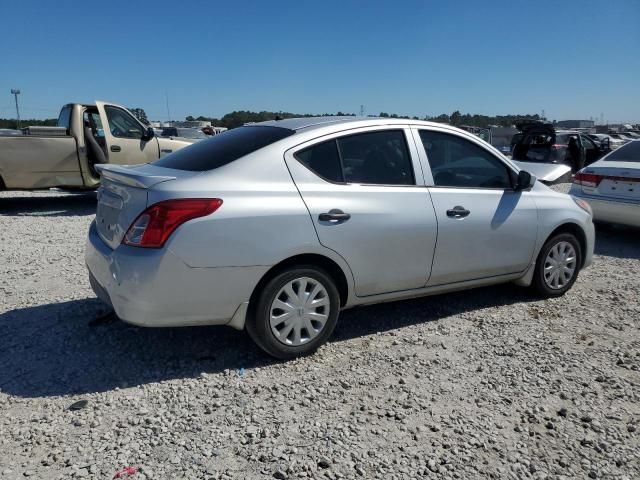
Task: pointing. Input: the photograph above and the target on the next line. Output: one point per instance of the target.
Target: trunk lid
(122, 196)
(617, 180)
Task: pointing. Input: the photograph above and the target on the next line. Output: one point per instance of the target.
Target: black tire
(258, 321)
(539, 284)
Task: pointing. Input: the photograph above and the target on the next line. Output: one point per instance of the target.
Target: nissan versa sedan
(277, 226)
(612, 186)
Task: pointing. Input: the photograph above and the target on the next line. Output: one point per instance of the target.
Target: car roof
(306, 124)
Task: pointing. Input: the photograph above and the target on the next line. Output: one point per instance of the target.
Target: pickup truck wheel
(296, 312)
(557, 265)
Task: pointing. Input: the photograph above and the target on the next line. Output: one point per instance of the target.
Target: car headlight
(583, 204)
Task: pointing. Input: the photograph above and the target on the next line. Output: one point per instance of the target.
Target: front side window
(123, 125)
(373, 158)
(588, 143)
(457, 162)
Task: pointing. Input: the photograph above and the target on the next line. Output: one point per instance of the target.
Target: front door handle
(115, 148)
(334, 215)
(458, 212)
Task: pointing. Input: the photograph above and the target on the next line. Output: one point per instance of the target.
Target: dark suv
(541, 142)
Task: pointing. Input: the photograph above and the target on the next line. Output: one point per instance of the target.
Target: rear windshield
(223, 148)
(629, 152)
(64, 119)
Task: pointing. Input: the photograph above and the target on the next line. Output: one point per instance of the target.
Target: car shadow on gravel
(58, 349)
(47, 205)
(617, 241)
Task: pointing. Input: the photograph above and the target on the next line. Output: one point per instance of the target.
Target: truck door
(126, 138)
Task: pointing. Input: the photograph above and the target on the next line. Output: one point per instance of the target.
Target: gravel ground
(487, 383)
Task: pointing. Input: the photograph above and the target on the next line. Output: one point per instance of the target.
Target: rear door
(485, 228)
(125, 136)
(365, 193)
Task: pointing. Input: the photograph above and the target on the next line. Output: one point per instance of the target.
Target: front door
(366, 197)
(485, 228)
(592, 151)
(125, 137)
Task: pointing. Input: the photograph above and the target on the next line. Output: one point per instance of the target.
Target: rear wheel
(295, 313)
(557, 265)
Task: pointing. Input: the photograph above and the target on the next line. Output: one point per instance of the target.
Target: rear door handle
(458, 212)
(334, 215)
(115, 148)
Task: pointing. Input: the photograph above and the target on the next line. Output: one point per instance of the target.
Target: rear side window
(224, 148)
(457, 162)
(626, 153)
(375, 158)
(323, 159)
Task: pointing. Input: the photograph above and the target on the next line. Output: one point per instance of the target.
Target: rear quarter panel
(262, 220)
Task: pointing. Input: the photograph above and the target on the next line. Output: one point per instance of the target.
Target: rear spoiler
(131, 175)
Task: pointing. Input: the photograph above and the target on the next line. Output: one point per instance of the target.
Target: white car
(612, 186)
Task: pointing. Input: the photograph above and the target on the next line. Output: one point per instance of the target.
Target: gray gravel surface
(487, 383)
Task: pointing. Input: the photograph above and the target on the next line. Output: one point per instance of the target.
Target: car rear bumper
(154, 288)
(612, 211)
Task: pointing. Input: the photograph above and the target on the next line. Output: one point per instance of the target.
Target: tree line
(12, 124)
(237, 118)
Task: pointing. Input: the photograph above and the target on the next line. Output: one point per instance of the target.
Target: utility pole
(362, 110)
(15, 92)
(166, 96)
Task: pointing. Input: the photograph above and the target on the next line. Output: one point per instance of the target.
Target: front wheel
(557, 265)
(295, 313)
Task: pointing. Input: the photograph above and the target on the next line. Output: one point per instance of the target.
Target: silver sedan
(278, 226)
(612, 186)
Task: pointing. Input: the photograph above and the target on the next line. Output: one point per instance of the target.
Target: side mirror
(148, 134)
(525, 181)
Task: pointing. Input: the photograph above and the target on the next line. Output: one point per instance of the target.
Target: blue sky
(574, 59)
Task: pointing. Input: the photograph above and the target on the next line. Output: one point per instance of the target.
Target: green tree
(140, 114)
(456, 118)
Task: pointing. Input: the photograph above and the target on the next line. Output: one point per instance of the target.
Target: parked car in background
(66, 155)
(620, 136)
(612, 186)
(180, 132)
(606, 140)
(277, 226)
(553, 154)
(211, 130)
(9, 131)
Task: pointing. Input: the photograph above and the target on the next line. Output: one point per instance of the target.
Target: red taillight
(154, 226)
(557, 146)
(587, 179)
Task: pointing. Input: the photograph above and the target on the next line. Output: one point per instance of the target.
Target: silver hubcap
(299, 311)
(560, 265)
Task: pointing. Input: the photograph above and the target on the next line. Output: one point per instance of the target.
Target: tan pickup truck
(65, 156)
